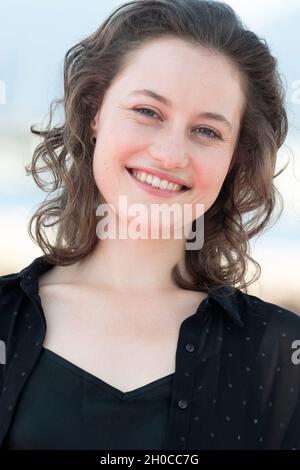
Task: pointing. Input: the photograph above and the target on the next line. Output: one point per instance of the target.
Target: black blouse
(236, 383)
(64, 407)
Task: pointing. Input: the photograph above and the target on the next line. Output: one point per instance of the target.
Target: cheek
(209, 183)
(216, 178)
(211, 177)
(102, 172)
(115, 146)
(120, 136)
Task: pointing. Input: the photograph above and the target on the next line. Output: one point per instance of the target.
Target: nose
(170, 155)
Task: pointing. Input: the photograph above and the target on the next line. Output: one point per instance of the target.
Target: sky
(33, 43)
(34, 37)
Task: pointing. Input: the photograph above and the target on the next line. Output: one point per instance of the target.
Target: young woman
(141, 343)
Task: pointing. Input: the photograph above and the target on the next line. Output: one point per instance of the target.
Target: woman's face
(177, 138)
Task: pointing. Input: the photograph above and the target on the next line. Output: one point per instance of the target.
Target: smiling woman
(139, 343)
(218, 126)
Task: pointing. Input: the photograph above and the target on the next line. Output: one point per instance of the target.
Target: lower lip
(155, 191)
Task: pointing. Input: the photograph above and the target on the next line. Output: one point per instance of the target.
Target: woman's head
(135, 130)
(201, 57)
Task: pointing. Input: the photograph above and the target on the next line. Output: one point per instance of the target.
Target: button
(182, 404)
(190, 347)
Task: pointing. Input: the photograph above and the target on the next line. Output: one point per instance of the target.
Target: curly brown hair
(67, 151)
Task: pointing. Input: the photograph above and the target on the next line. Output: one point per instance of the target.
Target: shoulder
(13, 287)
(254, 313)
(11, 296)
(276, 328)
(253, 309)
(9, 287)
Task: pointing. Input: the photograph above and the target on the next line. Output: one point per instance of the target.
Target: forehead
(188, 74)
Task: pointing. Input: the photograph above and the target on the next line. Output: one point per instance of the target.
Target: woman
(141, 343)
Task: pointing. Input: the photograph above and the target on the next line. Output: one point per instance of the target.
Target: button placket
(184, 381)
(182, 404)
(190, 347)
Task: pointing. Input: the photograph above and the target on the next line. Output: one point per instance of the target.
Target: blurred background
(34, 37)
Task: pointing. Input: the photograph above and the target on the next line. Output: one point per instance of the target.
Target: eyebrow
(167, 102)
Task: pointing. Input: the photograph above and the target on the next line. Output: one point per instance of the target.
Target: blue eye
(143, 109)
(212, 134)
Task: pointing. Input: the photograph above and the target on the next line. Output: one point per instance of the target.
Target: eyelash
(216, 136)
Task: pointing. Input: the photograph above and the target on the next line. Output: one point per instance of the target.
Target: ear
(94, 123)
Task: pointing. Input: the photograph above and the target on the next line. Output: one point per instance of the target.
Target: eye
(212, 134)
(145, 109)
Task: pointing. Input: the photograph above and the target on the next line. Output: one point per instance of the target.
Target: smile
(155, 185)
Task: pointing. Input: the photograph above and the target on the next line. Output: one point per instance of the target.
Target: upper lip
(161, 175)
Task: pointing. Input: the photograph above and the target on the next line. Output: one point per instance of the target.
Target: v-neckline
(98, 381)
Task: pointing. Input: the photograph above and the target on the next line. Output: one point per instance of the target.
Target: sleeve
(279, 372)
(291, 439)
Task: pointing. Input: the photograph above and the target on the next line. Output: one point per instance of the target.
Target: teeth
(155, 181)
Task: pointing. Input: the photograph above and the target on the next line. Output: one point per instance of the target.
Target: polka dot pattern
(236, 383)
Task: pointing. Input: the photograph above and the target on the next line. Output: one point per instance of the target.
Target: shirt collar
(225, 297)
(228, 299)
